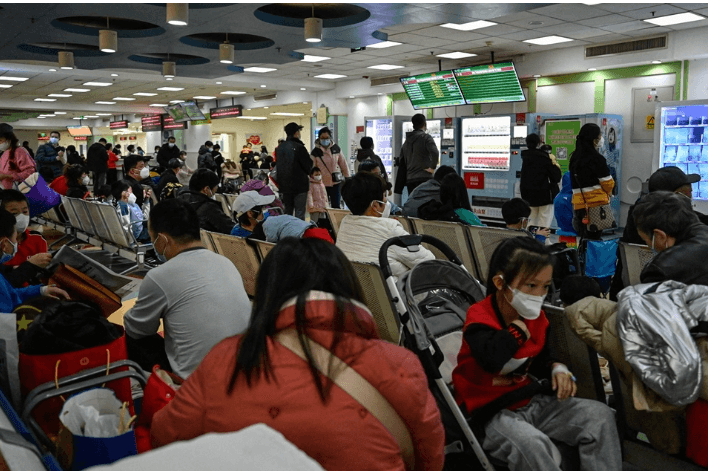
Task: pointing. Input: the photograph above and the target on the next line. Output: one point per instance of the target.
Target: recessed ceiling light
(287, 114)
(60, 113)
(675, 19)
(537, 76)
(171, 89)
(592, 3)
(263, 86)
(260, 70)
(592, 68)
(546, 40)
(472, 25)
(46, 116)
(41, 117)
(309, 58)
(45, 99)
(303, 88)
(232, 92)
(97, 84)
(52, 70)
(158, 105)
(114, 75)
(305, 103)
(144, 94)
(252, 117)
(77, 118)
(219, 83)
(385, 67)
(456, 55)
(265, 108)
(105, 103)
(379, 93)
(60, 95)
(330, 76)
(656, 62)
(351, 96)
(77, 90)
(248, 109)
(123, 99)
(5, 86)
(104, 114)
(384, 44)
(176, 101)
(203, 97)
(13, 79)
(90, 116)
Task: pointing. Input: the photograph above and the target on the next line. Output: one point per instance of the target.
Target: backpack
(170, 190)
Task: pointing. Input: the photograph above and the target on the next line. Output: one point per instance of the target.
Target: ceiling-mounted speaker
(313, 30)
(169, 69)
(178, 14)
(108, 41)
(226, 53)
(66, 59)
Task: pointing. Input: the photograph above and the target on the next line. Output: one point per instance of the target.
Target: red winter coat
(340, 435)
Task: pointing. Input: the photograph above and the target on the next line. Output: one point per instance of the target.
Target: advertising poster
(560, 135)
(254, 139)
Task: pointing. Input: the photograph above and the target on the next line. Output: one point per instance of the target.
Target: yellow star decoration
(23, 323)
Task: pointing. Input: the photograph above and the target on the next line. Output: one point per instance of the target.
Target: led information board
(492, 83)
(169, 123)
(436, 89)
(151, 123)
(118, 124)
(226, 112)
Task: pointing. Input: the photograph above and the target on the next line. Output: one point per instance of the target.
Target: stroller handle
(412, 241)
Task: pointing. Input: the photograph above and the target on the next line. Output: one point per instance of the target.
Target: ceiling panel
(623, 7)
(525, 34)
(544, 20)
(629, 26)
(498, 30)
(409, 38)
(569, 11)
(606, 20)
(654, 12)
(693, 24)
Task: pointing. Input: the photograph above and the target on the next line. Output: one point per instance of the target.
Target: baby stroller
(431, 301)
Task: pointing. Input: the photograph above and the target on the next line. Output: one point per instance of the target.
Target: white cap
(249, 200)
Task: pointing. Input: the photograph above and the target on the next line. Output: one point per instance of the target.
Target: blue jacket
(563, 206)
(48, 156)
(10, 296)
(283, 226)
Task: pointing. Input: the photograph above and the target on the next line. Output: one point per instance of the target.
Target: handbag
(597, 218)
(41, 198)
(358, 388)
(160, 389)
(82, 287)
(336, 176)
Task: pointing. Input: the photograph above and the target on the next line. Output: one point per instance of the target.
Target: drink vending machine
(387, 142)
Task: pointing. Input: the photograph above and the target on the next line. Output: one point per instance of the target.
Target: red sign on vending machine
(474, 180)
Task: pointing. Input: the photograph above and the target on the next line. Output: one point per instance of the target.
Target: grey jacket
(423, 193)
(656, 325)
(420, 153)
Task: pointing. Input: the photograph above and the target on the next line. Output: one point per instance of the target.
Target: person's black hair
(139, 148)
(293, 268)
(11, 195)
(116, 152)
(216, 146)
(102, 191)
(157, 147)
(454, 191)
(533, 140)
(47, 173)
(368, 165)
(418, 120)
(666, 211)
(131, 161)
(442, 172)
(171, 137)
(117, 188)
(324, 130)
(7, 223)
(109, 146)
(202, 178)
(362, 189)
(515, 209)
(546, 148)
(183, 153)
(585, 142)
(514, 257)
(130, 147)
(367, 142)
(57, 132)
(102, 140)
(71, 148)
(14, 144)
(315, 169)
(264, 149)
(177, 218)
(208, 143)
(73, 174)
(25, 143)
(576, 287)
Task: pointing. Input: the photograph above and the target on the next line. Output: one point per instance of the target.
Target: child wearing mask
(316, 196)
(130, 212)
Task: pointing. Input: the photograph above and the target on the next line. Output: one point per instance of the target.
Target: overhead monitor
(79, 131)
(151, 123)
(118, 124)
(492, 83)
(436, 89)
(169, 123)
(177, 113)
(226, 112)
(192, 111)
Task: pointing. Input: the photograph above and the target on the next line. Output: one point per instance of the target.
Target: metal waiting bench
(483, 241)
(378, 299)
(634, 258)
(452, 234)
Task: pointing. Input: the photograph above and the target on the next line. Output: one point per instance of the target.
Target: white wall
(698, 79)
(566, 99)
(357, 110)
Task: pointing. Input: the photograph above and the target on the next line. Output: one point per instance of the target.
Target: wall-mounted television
(491, 83)
(192, 111)
(79, 131)
(436, 89)
(177, 113)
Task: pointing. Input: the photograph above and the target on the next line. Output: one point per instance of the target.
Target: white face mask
(171, 144)
(4, 146)
(528, 306)
(211, 149)
(85, 180)
(132, 199)
(22, 222)
(144, 173)
(318, 178)
(53, 140)
(387, 210)
(6, 257)
(601, 142)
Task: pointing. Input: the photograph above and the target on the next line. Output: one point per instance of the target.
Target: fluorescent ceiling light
(472, 25)
(656, 62)
(5, 85)
(675, 19)
(330, 76)
(385, 67)
(232, 92)
(104, 114)
(45, 116)
(536, 76)
(288, 114)
(77, 118)
(13, 79)
(309, 58)
(260, 70)
(45, 99)
(158, 105)
(204, 97)
(97, 84)
(176, 101)
(171, 89)
(265, 108)
(52, 70)
(145, 94)
(90, 116)
(303, 88)
(592, 68)
(384, 44)
(456, 55)
(60, 113)
(105, 103)
(252, 117)
(219, 83)
(60, 95)
(114, 75)
(123, 99)
(591, 3)
(263, 86)
(351, 96)
(547, 40)
(41, 117)
(77, 90)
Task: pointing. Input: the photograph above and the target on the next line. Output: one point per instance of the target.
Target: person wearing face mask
(331, 162)
(50, 155)
(362, 233)
(174, 167)
(590, 177)
(77, 181)
(185, 172)
(516, 213)
(316, 196)
(168, 151)
(202, 196)
(248, 211)
(97, 162)
(294, 165)
(454, 203)
(11, 297)
(15, 162)
(205, 159)
(504, 349)
(197, 312)
(131, 214)
(137, 174)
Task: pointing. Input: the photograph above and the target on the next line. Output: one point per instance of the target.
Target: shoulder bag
(336, 176)
(597, 218)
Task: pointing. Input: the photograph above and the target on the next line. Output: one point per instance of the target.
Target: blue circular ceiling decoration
(91, 25)
(293, 14)
(51, 49)
(240, 41)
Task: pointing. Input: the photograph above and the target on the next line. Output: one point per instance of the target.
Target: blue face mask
(160, 257)
(326, 142)
(266, 214)
(6, 257)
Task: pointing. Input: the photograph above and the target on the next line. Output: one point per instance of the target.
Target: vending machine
(434, 129)
(387, 143)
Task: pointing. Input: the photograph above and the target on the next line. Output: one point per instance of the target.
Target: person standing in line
(294, 165)
(25, 144)
(218, 161)
(50, 157)
(332, 164)
(112, 175)
(168, 151)
(15, 162)
(97, 162)
(73, 157)
(540, 174)
(419, 153)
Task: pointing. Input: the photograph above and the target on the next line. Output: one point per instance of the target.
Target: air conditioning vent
(270, 96)
(386, 80)
(657, 42)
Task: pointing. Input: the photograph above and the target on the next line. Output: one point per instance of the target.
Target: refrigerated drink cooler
(387, 142)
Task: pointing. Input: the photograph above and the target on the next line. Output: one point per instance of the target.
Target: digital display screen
(521, 131)
(486, 143)
(192, 111)
(151, 123)
(491, 83)
(118, 124)
(436, 89)
(79, 131)
(177, 113)
(226, 112)
(381, 131)
(169, 123)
